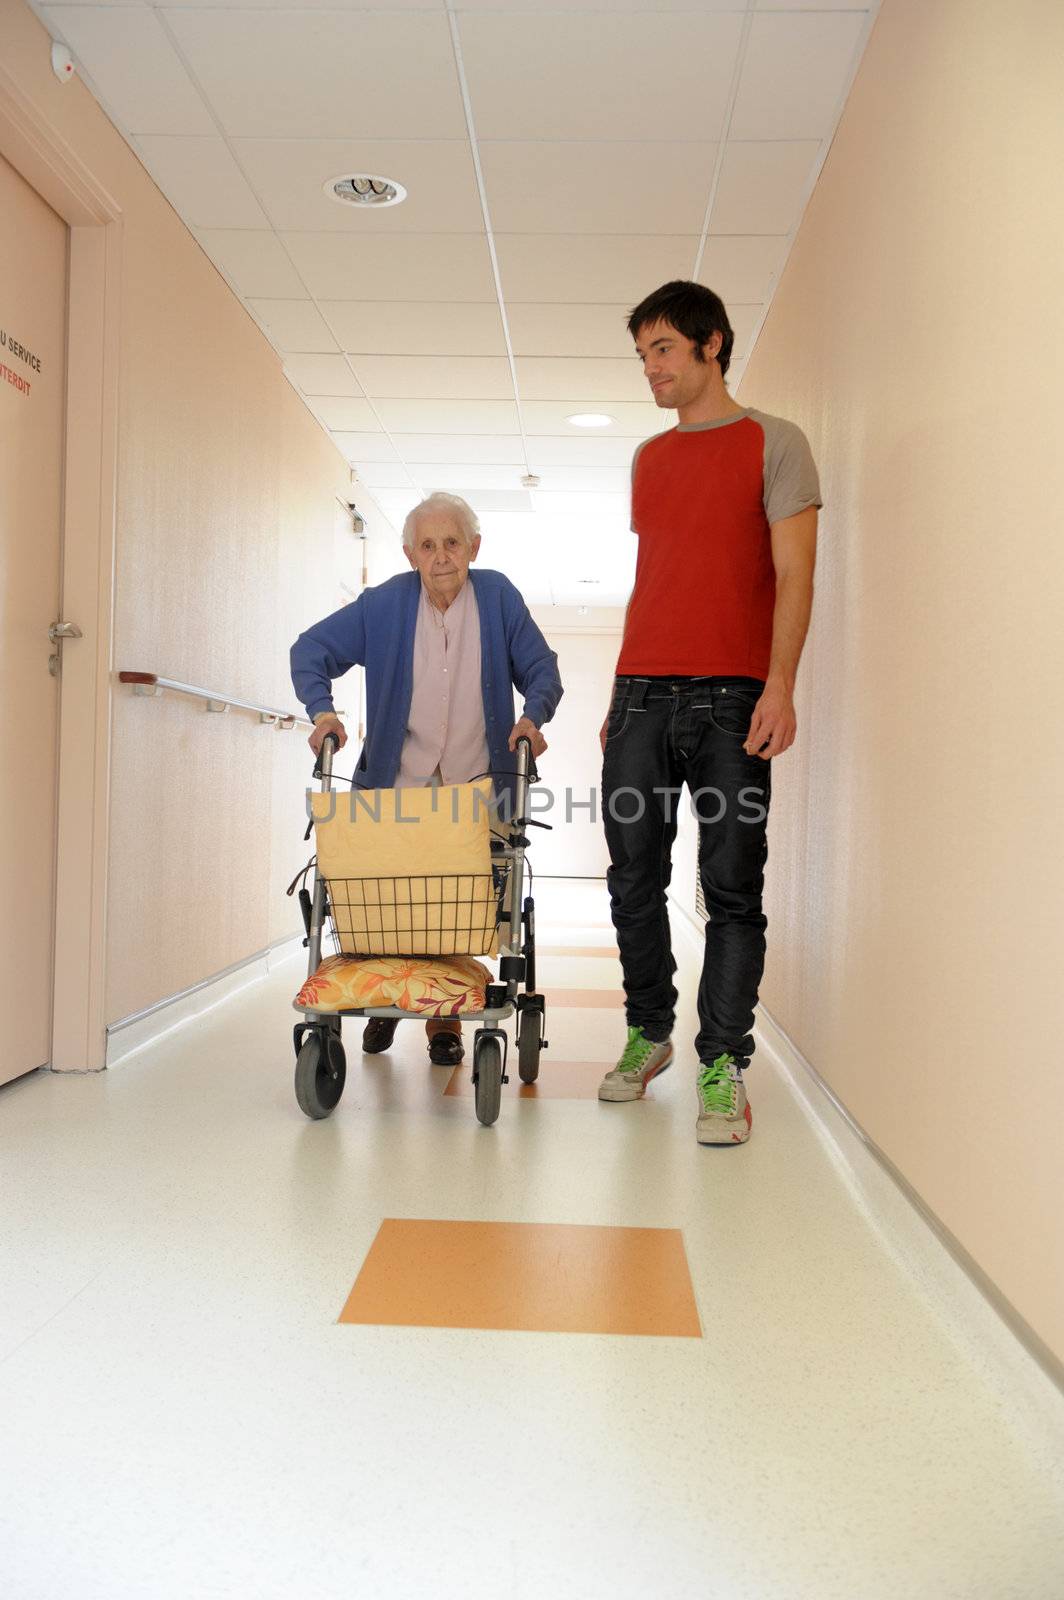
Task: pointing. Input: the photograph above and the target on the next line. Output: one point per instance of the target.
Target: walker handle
(323, 765)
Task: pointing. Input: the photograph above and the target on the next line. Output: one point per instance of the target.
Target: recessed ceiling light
(590, 419)
(365, 189)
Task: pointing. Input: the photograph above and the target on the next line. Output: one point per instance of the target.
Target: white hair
(440, 504)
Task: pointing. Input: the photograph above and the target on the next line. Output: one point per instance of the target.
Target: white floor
(181, 1415)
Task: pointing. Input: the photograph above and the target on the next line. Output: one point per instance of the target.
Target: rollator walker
(496, 895)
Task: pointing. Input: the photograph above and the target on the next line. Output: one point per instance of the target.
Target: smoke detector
(364, 189)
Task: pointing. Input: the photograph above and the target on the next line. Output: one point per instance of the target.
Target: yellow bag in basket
(409, 870)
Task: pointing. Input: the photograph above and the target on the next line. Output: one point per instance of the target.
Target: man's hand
(602, 733)
(327, 724)
(774, 724)
(524, 729)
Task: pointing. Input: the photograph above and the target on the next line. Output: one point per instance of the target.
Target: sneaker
(724, 1115)
(641, 1060)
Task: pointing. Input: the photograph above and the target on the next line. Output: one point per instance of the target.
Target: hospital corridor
(530, 655)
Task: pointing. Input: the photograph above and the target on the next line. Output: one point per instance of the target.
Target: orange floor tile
(558, 1080)
(542, 1277)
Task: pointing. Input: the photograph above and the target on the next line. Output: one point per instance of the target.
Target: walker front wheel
(321, 1071)
(487, 1078)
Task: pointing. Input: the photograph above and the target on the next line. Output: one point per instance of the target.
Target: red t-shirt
(704, 496)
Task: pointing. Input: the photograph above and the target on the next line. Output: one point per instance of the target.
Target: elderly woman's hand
(323, 725)
(524, 729)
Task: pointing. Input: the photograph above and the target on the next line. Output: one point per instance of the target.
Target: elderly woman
(443, 649)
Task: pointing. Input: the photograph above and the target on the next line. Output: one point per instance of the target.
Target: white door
(33, 298)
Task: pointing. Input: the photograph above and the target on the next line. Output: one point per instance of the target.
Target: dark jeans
(663, 733)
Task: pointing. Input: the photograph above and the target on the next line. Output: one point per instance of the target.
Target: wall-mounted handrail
(145, 682)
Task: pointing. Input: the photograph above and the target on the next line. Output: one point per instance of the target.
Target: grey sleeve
(791, 482)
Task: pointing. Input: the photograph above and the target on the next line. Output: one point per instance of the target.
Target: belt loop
(639, 693)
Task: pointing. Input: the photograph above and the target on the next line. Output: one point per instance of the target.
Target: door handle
(64, 630)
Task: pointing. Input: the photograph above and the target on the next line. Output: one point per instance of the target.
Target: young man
(725, 509)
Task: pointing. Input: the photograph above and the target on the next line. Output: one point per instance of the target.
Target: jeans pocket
(729, 710)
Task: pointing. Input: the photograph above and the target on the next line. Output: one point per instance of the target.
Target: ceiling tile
(421, 266)
(630, 420)
(306, 74)
(586, 383)
(384, 475)
(580, 330)
(599, 76)
(762, 186)
(289, 174)
(742, 268)
(293, 325)
(554, 451)
(364, 446)
(201, 181)
(448, 416)
(435, 377)
(586, 480)
(406, 327)
(618, 187)
(466, 476)
(253, 261)
(340, 413)
(428, 449)
(484, 501)
(744, 320)
(133, 67)
(795, 72)
(571, 267)
(322, 375)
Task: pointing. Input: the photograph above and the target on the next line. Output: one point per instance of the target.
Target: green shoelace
(635, 1053)
(717, 1087)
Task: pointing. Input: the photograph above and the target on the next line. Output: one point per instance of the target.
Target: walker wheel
(321, 1069)
(529, 1045)
(487, 1078)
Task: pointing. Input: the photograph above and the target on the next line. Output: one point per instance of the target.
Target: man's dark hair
(692, 310)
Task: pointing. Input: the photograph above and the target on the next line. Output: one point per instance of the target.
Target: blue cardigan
(377, 632)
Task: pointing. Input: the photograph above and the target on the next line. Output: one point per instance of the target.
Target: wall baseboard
(887, 1198)
(132, 1033)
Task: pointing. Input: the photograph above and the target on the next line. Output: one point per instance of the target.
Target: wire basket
(446, 915)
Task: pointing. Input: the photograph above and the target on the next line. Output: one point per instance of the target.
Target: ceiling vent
(365, 189)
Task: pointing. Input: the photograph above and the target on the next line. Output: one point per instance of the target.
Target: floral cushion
(444, 987)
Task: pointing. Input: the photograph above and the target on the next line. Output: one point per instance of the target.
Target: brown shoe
(446, 1048)
(378, 1034)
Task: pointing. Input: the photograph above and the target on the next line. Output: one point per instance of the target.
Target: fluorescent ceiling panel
(289, 174)
(133, 67)
(595, 187)
(405, 327)
(423, 266)
(794, 74)
(435, 377)
(294, 325)
(603, 76)
(310, 74)
(201, 181)
(762, 187)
